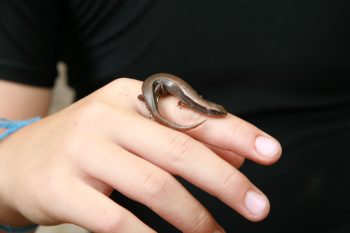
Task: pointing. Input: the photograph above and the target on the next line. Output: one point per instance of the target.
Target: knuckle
(118, 92)
(235, 185)
(120, 81)
(242, 129)
(88, 119)
(91, 111)
(120, 85)
(180, 145)
(236, 129)
(72, 144)
(156, 184)
(201, 222)
(110, 222)
(231, 180)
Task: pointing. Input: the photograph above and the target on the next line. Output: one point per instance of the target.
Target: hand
(63, 168)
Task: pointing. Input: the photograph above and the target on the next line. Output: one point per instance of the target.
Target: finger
(240, 137)
(232, 158)
(229, 133)
(213, 175)
(146, 183)
(180, 154)
(86, 207)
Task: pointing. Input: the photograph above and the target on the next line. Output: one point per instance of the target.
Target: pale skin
(62, 168)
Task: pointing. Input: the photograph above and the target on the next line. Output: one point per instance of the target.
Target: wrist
(12, 220)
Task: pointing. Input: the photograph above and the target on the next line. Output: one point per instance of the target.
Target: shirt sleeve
(29, 41)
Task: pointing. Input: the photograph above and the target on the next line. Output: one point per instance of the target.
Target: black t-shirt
(282, 65)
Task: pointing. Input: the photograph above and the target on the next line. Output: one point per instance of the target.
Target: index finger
(229, 133)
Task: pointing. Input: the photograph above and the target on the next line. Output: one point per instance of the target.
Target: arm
(18, 101)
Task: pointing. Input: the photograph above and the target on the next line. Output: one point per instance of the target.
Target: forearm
(18, 101)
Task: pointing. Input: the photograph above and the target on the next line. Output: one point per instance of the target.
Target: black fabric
(282, 65)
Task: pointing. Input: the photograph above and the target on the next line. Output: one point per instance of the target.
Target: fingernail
(255, 203)
(266, 146)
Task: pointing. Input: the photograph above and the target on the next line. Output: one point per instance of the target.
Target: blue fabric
(13, 126)
(24, 229)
